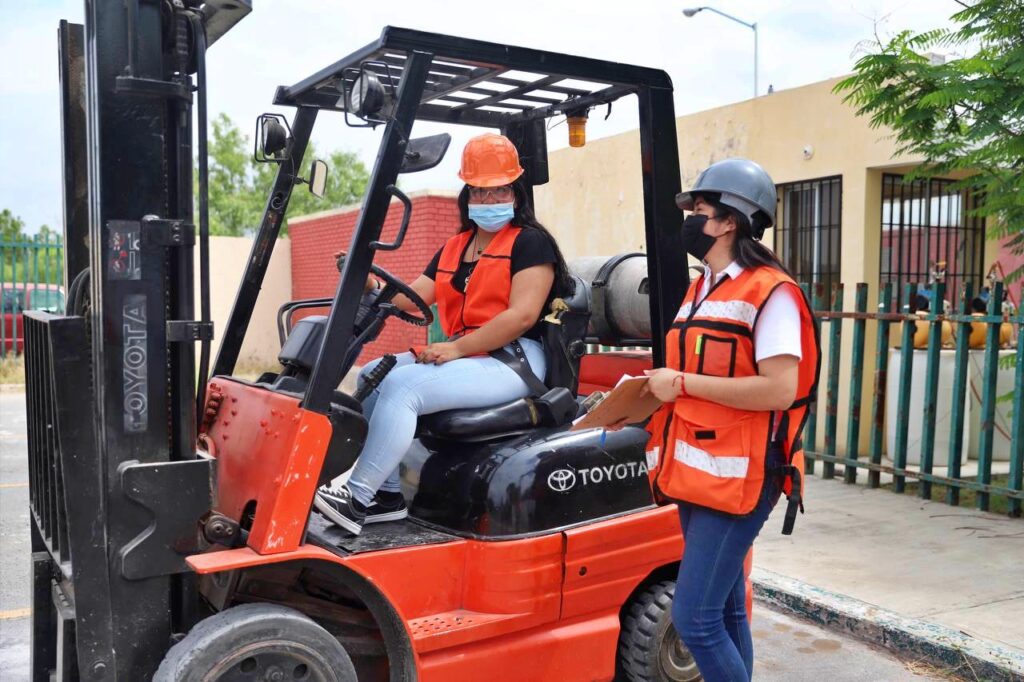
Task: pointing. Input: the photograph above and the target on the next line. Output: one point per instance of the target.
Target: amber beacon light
(577, 129)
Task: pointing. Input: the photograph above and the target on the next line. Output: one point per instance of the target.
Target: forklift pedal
(440, 628)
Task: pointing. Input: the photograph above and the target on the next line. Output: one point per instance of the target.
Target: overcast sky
(709, 58)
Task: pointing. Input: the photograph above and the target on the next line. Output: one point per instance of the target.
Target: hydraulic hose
(199, 32)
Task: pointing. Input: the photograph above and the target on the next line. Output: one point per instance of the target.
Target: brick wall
(315, 238)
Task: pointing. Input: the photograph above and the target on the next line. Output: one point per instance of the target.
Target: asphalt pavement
(14, 540)
(786, 647)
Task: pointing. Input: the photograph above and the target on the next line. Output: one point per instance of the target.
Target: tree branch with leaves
(962, 115)
(239, 186)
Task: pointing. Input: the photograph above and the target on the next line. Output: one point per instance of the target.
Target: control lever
(375, 377)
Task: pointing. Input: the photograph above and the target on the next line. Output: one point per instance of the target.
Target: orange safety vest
(713, 455)
(488, 290)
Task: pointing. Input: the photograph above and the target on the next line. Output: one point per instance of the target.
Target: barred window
(925, 223)
(809, 230)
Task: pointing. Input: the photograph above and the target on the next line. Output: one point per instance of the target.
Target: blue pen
(604, 436)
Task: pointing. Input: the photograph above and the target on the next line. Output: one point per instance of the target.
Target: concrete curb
(920, 640)
(12, 388)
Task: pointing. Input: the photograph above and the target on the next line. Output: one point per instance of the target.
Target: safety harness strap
(801, 402)
(520, 364)
(795, 500)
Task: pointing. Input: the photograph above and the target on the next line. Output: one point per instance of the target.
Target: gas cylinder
(620, 296)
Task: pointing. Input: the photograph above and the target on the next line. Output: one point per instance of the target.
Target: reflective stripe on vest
(711, 454)
(488, 290)
(733, 311)
(722, 466)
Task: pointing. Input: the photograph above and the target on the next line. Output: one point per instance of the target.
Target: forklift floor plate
(375, 536)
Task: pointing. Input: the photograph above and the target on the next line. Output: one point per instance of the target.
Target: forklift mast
(111, 392)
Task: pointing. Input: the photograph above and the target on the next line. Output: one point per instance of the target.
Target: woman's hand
(664, 384)
(371, 281)
(440, 353)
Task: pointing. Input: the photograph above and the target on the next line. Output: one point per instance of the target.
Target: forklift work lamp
(275, 138)
(366, 97)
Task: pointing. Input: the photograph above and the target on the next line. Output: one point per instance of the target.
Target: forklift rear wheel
(649, 647)
(257, 643)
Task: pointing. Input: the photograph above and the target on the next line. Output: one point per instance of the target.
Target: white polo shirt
(778, 327)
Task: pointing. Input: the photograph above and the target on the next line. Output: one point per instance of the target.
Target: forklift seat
(564, 345)
(300, 349)
(480, 424)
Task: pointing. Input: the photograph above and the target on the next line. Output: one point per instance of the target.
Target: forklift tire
(257, 642)
(649, 647)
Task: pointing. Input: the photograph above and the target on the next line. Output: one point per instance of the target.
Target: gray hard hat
(743, 184)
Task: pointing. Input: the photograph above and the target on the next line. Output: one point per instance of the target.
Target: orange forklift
(172, 530)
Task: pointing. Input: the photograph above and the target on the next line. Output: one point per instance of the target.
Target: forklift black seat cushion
(557, 407)
(478, 424)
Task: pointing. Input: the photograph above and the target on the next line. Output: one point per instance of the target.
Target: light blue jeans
(411, 390)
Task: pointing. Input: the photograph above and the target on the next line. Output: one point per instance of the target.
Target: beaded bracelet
(682, 384)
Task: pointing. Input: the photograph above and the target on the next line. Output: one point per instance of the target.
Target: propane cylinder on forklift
(620, 293)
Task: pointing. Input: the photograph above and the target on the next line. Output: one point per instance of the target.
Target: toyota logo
(561, 480)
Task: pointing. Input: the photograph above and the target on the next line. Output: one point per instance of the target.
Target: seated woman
(492, 281)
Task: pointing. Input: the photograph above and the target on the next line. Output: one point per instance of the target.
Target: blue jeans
(411, 390)
(709, 609)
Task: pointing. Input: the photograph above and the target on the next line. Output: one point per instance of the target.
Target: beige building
(228, 257)
(806, 138)
(845, 212)
(845, 215)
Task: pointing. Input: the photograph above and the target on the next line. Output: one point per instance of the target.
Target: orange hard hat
(490, 160)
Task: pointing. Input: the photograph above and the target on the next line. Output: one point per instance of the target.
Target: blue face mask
(491, 217)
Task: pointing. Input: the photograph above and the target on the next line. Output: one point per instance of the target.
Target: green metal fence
(917, 399)
(31, 278)
(893, 412)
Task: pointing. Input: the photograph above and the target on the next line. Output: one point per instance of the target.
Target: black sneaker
(338, 505)
(386, 507)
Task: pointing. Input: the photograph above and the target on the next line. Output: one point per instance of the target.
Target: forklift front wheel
(649, 647)
(257, 642)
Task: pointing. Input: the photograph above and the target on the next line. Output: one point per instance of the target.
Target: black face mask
(696, 243)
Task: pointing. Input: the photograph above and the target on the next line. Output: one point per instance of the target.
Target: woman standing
(742, 364)
(491, 281)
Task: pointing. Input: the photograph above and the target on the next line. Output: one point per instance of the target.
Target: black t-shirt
(531, 248)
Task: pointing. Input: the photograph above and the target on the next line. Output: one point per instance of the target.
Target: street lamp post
(689, 12)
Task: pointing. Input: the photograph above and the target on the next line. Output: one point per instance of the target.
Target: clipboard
(624, 402)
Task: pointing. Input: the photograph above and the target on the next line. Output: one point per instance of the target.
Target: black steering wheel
(393, 287)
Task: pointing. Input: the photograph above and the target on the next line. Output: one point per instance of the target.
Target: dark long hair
(746, 251)
(524, 218)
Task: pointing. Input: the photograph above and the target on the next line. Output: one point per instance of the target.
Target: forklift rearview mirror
(424, 153)
(318, 178)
